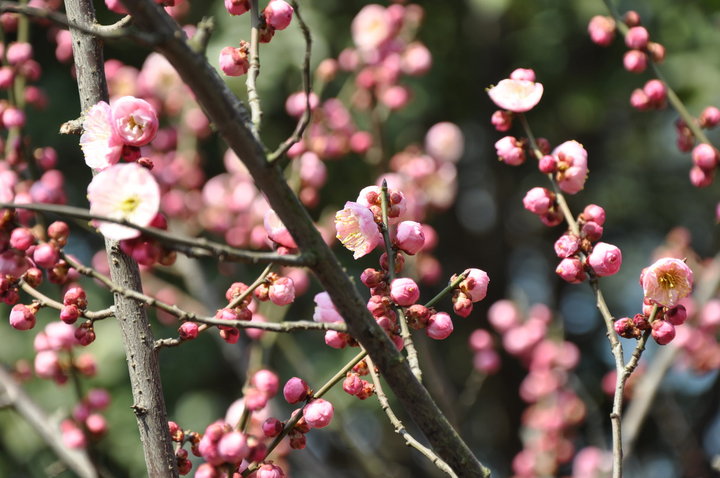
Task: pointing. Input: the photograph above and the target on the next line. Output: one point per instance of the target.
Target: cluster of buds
(147, 251)
(317, 413)
(180, 436)
(277, 15)
(584, 254)
(637, 39)
(86, 422)
(23, 256)
(53, 360)
(357, 386)
(664, 283)
(277, 289)
(485, 359)
(240, 311)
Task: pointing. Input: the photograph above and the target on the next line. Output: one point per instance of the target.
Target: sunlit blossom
(356, 229)
(100, 143)
(124, 191)
(667, 281)
(517, 96)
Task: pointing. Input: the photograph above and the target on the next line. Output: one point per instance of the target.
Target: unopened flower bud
(663, 332)
(439, 326)
(295, 390)
(318, 413)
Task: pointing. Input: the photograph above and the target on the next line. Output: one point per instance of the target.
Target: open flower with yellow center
(356, 229)
(124, 191)
(667, 281)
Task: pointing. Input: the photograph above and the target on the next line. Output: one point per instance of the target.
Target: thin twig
(193, 247)
(116, 31)
(254, 70)
(307, 88)
(45, 301)
(400, 428)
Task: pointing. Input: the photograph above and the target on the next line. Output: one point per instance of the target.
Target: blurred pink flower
(325, 310)
(667, 281)
(356, 229)
(124, 191)
(371, 27)
(517, 96)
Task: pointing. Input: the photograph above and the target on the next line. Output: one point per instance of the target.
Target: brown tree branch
(143, 365)
(232, 122)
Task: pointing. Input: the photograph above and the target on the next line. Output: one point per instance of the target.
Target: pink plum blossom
(666, 281)
(517, 96)
(134, 120)
(539, 200)
(571, 166)
(605, 259)
(567, 245)
(282, 291)
(124, 191)
(22, 317)
(100, 143)
(571, 270)
(356, 229)
(510, 151)
(325, 310)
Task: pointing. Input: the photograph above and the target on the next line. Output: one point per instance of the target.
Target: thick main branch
(231, 120)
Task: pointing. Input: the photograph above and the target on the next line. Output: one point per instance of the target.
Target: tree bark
(232, 121)
(143, 365)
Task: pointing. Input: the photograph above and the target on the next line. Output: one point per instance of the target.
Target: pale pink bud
(663, 332)
(486, 361)
(282, 291)
(605, 259)
(637, 38)
(295, 390)
(13, 117)
(47, 364)
(710, 117)
(517, 96)
(655, 91)
(404, 291)
(640, 100)
(503, 315)
(480, 339)
(666, 281)
(539, 200)
(233, 447)
(325, 310)
(501, 120)
(591, 231)
(510, 151)
(353, 384)
(705, 156)
(395, 97)
(336, 340)
(7, 75)
(21, 238)
(595, 213)
(635, 61)
(409, 237)
(572, 166)
(567, 245)
(18, 52)
(701, 178)
(475, 284)
(98, 398)
(571, 270)
(45, 255)
(69, 314)
(416, 59)
(96, 424)
(318, 413)
(255, 399)
(188, 330)
(278, 14)
(22, 317)
(134, 120)
(266, 381)
(601, 30)
(439, 326)
(75, 296)
(237, 7)
(234, 61)
(276, 230)
(270, 470)
(272, 427)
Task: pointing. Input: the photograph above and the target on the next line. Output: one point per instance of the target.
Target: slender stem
(45, 301)
(449, 288)
(400, 428)
(193, 247)
(254, 70)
